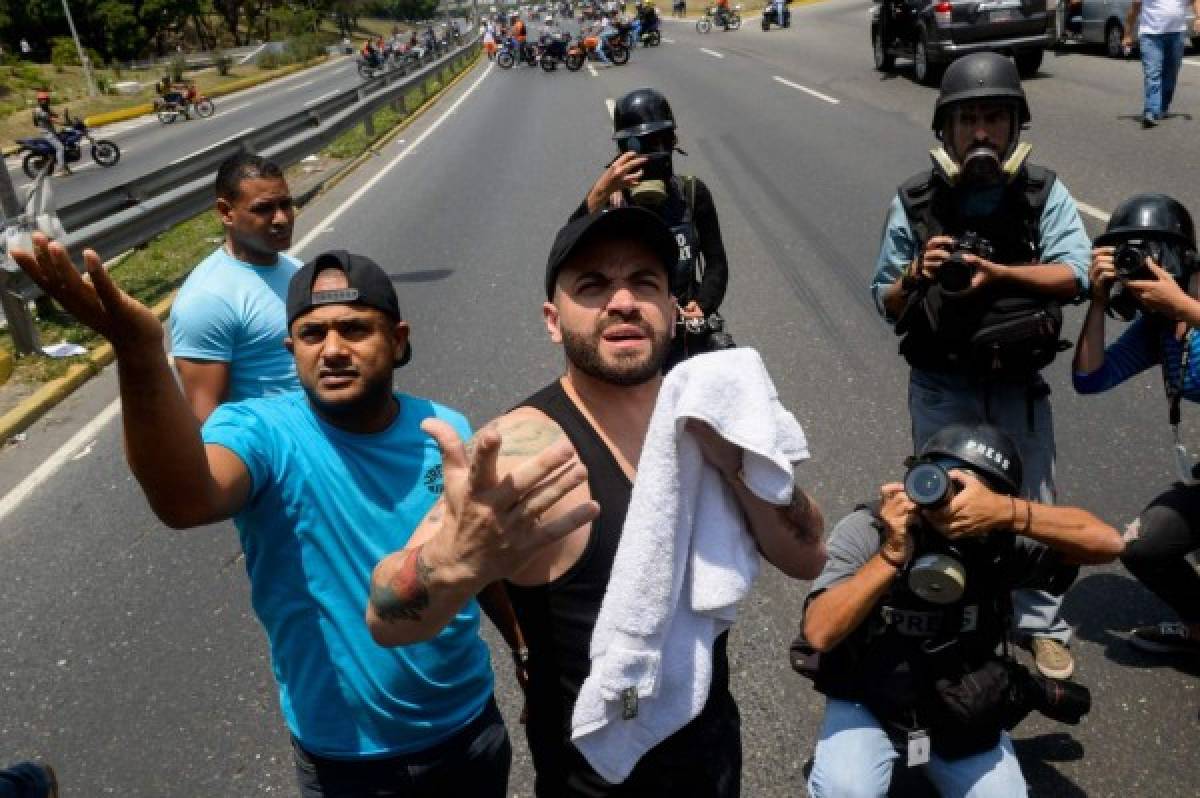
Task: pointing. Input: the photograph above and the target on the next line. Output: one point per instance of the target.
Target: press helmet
(1150, 215)
(640, 112)
(981, 76)
(982, 448)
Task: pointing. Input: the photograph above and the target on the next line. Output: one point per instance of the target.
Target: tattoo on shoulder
(406, 595)
(525, 437)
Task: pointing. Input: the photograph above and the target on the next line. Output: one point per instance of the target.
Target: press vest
(933, 208)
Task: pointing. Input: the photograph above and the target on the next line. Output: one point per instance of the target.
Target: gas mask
(651, 190)
(982, 165)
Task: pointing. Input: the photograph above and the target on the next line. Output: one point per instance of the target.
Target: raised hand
(494, 524)
(94, 299)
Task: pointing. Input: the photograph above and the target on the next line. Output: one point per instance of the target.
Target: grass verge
(148, 274)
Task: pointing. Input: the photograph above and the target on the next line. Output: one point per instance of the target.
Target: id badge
(918, 748)
(1183, 464)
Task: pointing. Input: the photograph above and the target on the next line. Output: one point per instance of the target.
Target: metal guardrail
(131, 214)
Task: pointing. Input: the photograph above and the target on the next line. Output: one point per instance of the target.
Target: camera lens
(1129, 260)
(955, 274)
(928, 485)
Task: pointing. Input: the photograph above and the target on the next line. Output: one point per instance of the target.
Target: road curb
(52, 393)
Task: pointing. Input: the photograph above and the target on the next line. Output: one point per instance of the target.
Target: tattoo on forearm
(406, 595)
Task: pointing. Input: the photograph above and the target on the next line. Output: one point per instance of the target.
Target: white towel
(652, 644)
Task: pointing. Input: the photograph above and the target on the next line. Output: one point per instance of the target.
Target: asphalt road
(130, 657)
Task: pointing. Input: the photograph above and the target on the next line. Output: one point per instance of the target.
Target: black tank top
(557, 620)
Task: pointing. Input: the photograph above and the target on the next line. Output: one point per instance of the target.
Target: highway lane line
(236, 108)
(592, 69)
(214, 144)
(669, 41)
(301, 85)
(324, 96)
(806, 90)
(86, 435)
(379, 175)
(1092, 211)
(611, 104)
(713, 53)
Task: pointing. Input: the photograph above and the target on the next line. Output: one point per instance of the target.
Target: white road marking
(300, 85)
(1092, 211)
(713, 53)
(669, 41)
(236, 108)
(65, 452)
(592, 69)
(324, 96)
(214, 144)
(379, 175)
(806, 90)
(611, 104)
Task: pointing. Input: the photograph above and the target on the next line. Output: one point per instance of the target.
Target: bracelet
(897, 565)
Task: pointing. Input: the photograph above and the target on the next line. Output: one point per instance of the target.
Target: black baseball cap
(625, 223)
(367, 284)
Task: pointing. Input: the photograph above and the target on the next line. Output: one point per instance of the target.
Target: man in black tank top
(610, 307)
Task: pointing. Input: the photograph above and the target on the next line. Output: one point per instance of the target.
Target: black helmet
(980, 76)
(985, 449)
(640, 112)
(1150, 215)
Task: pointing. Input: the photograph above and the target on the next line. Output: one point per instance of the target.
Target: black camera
(707, 334)
(1129, 260)
(956, 273)
(1063, 701)
(928, 485)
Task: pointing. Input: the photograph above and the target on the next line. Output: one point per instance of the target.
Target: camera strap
(1174, 390)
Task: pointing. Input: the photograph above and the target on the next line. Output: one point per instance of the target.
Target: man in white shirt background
(1162, 30)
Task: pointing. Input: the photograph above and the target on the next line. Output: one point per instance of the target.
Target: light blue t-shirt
(1062, 239)
(234, 312)
(326, 506)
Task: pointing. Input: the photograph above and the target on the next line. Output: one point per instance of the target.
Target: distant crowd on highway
(610, 523)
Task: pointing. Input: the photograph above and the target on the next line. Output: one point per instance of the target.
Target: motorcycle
(513, 52)
(584, 49)
(770, 17)
(170, 108)
(731, 20)
(551, 53)
(40, 153)
(367, 67)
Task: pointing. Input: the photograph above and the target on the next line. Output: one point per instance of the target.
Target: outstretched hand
(493, 524)
(94, 299)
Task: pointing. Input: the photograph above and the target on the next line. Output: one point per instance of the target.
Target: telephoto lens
(928, 485)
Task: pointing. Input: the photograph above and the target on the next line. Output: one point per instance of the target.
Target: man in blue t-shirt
(228, 322)
(321, 484)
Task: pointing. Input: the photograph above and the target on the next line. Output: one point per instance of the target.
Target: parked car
(934, 32)
(1099, 22)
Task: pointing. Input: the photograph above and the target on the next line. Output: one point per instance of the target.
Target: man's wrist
(896, 559)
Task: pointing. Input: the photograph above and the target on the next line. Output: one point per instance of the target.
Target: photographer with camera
(1144, 268)
(903, 626)
(643, 174)
(977, 256)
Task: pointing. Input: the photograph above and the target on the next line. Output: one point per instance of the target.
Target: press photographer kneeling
(906, 629)
(1144, 268)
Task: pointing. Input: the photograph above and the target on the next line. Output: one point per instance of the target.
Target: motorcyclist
(722, 15)
(643, 174)
(44, 118)
(902, 628)
(605, 34)
(370, 54)
(647, 20)
(978, 254)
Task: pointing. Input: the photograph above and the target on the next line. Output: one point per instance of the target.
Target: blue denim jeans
(605, 41)
(936, 400)
(26, 780)
(473, 762)
(1162, 57)
(855, 758)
